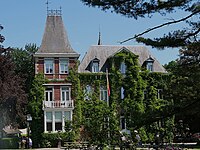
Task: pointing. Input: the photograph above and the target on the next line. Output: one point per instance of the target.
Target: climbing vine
(134, 95)
(35, 105)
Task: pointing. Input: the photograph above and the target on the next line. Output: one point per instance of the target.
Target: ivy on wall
(139, 105)
(35, 105)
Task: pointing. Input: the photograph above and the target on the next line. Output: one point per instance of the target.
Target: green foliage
(35, 105)
(171, 66)
(96, 120)
(133, 85)
(9, 143)
(100, 120)
(148, 8)
(24, 64)
(77, 95)
(12, 96)
(52, 139)
(184, 87)
(141, 107)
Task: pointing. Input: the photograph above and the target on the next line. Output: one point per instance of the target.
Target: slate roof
(103, 52)
(55, 40)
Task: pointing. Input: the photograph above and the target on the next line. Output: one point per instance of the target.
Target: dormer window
(149, 64)
(95, 65)
(48, 66)
(123, 67)
(63, 66)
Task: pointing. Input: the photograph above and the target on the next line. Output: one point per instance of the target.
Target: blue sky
(24, 23)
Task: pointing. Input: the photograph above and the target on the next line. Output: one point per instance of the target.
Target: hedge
(9, 143)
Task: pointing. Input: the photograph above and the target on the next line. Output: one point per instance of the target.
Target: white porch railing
(58, 104)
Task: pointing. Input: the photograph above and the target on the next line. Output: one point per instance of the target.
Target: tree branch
(159, 26)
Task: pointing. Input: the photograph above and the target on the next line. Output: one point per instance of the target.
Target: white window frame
(88, 92)
(150, 66)
(60, 120)
(49, 63)
(123, 67)
(103, 94)
(49, 91)
(65, 93)
(49, 121)
(67, 115)
(95, 66)
(63, 66)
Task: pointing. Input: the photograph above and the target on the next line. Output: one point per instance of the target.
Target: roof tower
(55, 40)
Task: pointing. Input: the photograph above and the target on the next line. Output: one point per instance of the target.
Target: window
(58, 121)
(122, 93)
(123, 67)
(159, 94)
(122, 122)
(67, 115)
(150, 66)
(88, 92)
(145, 94)
(49, 94)
(63, 66)
(49, 121)
(103, 94)
(94, 65)
(48, 66)
(65, 93)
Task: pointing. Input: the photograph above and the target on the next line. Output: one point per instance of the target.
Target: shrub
(51, 139)
(9, 143)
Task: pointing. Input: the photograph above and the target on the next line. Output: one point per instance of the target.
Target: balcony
(58, 104)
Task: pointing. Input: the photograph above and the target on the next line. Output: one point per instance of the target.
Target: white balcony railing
(58, 104)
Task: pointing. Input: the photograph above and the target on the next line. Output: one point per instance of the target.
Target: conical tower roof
(55, 42)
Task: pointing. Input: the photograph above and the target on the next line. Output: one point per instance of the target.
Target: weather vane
(47, 3)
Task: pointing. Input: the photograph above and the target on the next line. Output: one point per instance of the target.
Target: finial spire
(56, 12)
(99, 40)
(47, 3)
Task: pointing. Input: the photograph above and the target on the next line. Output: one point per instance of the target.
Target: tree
(23, 59)
(12, 96)
(171, 66)
(147, 8)
(185, 85)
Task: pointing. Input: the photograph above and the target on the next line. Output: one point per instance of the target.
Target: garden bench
(75, 145)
